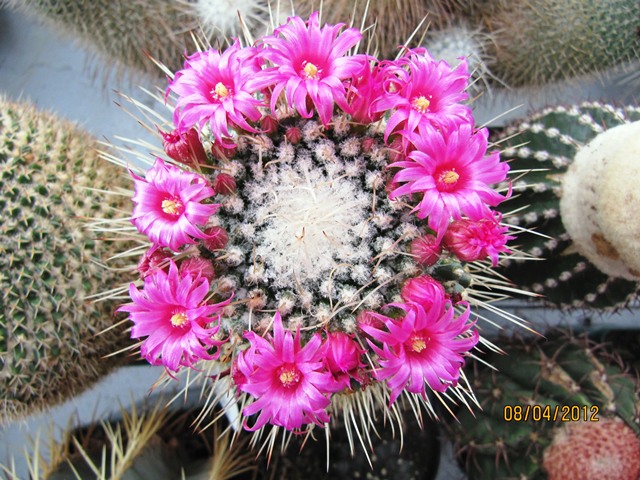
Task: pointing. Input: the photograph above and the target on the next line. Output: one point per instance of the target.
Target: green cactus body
(123, 33)
(544, 147)
(48, 325)
(538, 389)
(551, 40)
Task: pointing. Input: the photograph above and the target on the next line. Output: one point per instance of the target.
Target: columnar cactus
(575, 177)
(561, 407)
(50, 178)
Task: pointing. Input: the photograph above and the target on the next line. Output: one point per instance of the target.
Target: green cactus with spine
(49, 348)
(542, 393)
(571, 217)
(143, 444)
(537, 42)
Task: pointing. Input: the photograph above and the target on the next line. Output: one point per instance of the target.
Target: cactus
(567, 388)
(574, 198)
(48, 324)
(154, 444)
(552, 40)
(126, 34)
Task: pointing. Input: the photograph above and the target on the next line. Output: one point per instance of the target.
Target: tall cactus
(50, 178)
(557, 409)
(577, 190)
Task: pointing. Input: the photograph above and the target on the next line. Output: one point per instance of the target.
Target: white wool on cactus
(600, 198)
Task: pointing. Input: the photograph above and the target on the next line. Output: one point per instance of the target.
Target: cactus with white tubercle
(574, 172)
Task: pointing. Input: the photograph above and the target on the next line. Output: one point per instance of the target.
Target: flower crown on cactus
(318, 233)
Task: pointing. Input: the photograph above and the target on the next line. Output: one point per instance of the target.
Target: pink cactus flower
(423, 290)
(423, 92)
(289, 382)
(425, 347)
(167, 206)
(453, 175)
(213, 87)
(343, 358)
(366, 88)
(171, 311)
(475, 240)
(309, 65)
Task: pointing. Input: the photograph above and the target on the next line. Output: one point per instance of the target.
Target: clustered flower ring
(316, 225)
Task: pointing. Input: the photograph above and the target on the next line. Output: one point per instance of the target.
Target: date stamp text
(547, 413)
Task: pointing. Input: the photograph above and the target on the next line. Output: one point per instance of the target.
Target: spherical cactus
(573, 177)
(51, 177)
(543, 393)
(550, 40)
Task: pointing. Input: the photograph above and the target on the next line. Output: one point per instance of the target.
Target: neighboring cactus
(580, 196)
(152, 445)
(126, 34)
(536, 42)
(49, 350)
(567, 388)
(122, 33)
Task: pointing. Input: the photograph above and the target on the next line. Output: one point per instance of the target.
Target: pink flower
(425, 346)
(423, 290)
(212, 88)
(167, 205)
(343, 358)
(366, 88)
(289, 382)
(452, 174)
(309, 65)
(172, 313)
(423, 92)
(475, 240)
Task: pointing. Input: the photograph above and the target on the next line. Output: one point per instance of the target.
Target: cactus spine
(559, 386)
(561, 197)
(48, 325)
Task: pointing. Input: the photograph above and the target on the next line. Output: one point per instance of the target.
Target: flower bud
(217, 238)
(197, 267)
(224, 184)
(293, 134)
(153, 259)
(426, 250)
(184, 147)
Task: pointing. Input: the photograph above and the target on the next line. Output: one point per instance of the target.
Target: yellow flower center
(421, 103)
(220, 91)
(418, 344)
(310, 70)
(289, 376)
(172, 207)
(449, 177)
(179, 319)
